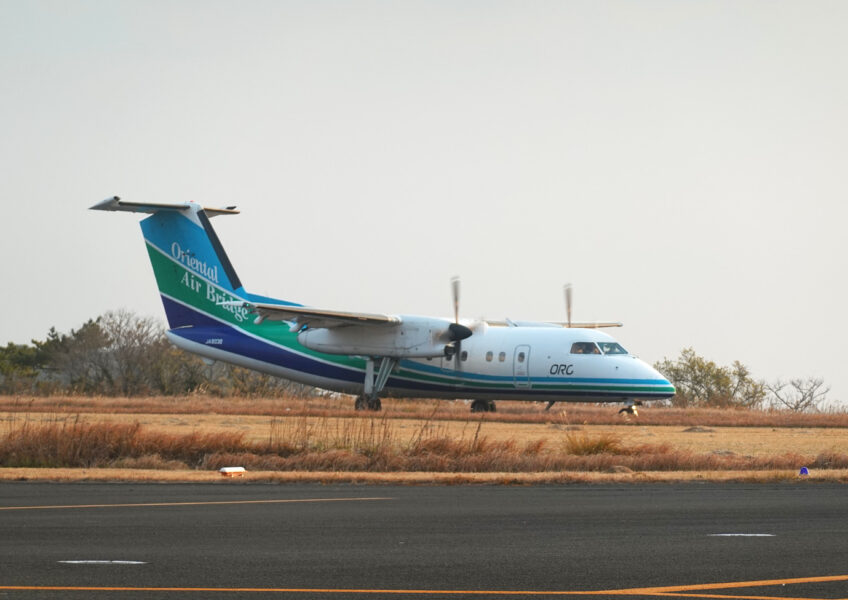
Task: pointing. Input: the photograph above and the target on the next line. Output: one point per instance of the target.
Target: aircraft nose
(663, 382)
(664, 388)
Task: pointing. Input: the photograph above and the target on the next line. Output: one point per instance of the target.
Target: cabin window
(489, 356)
(611, 348)
(464, 356)
(502, 357)
(520, 357)
(584, 348)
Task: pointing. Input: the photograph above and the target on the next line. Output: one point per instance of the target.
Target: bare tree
(133, 350)
(799, 395)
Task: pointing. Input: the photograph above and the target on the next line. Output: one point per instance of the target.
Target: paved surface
(336, 541)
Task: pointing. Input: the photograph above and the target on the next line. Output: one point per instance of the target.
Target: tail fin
(192, 270)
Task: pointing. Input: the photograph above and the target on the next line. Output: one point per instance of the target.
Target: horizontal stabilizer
(115, 203)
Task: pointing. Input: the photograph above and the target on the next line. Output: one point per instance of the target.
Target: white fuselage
(517, 363)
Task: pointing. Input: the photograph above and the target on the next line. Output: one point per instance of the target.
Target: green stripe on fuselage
(185, 286)
(178, 282)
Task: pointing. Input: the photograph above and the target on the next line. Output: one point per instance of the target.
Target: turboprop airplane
(372, 355)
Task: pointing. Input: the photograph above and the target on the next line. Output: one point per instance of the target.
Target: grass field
(413, 442)
(342, 406)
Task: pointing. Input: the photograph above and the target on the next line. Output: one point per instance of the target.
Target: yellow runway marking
(741, 584)
(735, 596)
(141, 504)
(678, 591)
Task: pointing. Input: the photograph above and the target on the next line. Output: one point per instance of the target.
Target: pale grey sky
(683, 164)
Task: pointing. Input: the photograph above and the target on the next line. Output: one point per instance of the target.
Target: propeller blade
(455, 293)
(455, 328)
(567, 289)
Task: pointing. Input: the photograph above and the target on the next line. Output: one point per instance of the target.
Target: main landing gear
(483, 406)
(374, 382)
(363, 403)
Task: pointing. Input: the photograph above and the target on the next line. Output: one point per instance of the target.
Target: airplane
(210, 313)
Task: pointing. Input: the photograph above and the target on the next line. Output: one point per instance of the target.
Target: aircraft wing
(313, 317)
(592, 324)
(574, 324)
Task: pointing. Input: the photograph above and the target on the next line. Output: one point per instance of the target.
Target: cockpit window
(584, 348)
(611, 348)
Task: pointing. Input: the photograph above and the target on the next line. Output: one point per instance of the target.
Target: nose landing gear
(630, 409)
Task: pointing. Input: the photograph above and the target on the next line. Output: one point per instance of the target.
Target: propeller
(456, 331)
(455, 294)
(567, 290)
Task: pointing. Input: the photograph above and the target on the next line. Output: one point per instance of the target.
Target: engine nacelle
(413, 337)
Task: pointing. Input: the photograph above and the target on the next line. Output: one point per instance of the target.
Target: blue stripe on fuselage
(416, 366)
(235, 341)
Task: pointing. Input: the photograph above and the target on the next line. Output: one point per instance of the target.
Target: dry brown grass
(583, 444)
(79, 444)
(291, 439)
(433, 410)
(372, 444)
(751, 441)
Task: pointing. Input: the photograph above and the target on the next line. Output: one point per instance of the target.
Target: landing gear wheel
(630, 409)
(363, 403)
(483, 406)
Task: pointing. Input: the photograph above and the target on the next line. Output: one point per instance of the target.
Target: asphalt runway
(349, 542)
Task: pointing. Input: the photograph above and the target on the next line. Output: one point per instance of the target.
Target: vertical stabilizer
(193, 272)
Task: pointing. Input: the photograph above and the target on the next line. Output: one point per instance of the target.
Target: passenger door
(521, 367)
